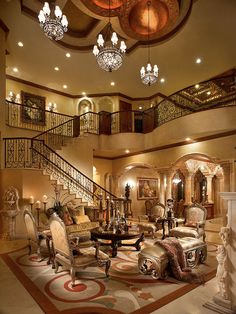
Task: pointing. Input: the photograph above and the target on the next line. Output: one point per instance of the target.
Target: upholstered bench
(154, 261)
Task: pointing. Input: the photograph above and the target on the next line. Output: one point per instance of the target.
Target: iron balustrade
(15, 117)
(215, 93)
(29, 153)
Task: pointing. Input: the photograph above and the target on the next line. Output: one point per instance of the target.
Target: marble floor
(15, 299)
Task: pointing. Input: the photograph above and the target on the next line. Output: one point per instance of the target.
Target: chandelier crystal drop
(55, 27)
(149, 75)
(109, 56)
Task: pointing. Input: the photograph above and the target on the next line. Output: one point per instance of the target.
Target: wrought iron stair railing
(29, 153)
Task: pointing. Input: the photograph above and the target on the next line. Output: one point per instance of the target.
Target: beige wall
(103, 168)
(64, 104)
(79, 152)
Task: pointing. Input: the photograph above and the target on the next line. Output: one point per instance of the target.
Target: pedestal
(8, 224)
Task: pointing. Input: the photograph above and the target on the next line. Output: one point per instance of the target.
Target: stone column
(209, 188)
(225, 300)
(169, 185)
(188, 188)
(162, 188)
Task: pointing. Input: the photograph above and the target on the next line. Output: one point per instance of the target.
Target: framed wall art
(147, 188)
(33, 109)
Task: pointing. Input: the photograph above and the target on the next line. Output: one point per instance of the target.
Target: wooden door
(125, 117)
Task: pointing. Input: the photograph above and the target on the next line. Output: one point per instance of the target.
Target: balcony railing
(216, 93)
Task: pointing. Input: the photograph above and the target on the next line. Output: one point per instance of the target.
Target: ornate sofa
(151, 222)
(194, 224)
(77, 224)
(154, 261)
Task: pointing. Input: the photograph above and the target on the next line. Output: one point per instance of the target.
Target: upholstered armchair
(152, 221)
(72, 255)
(194, 225)
(36, 240)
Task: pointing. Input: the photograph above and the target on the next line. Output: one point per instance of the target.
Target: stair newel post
(100, 207)
(107, 210)
(76, 126)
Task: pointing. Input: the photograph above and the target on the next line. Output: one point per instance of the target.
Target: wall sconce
(52, 106)
(11, 96)
(38, 207)
(44, 201)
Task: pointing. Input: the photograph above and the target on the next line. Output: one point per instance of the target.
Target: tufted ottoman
(154, 261)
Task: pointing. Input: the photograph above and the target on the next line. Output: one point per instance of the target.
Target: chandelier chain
(149, 75)
(109, 57)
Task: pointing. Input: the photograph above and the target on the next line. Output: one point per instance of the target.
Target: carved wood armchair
(71, 255)
(152, 221)
(194, 225)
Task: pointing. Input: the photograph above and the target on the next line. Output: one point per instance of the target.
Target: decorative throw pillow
(190, 224)
(81, 218)
(67, 219)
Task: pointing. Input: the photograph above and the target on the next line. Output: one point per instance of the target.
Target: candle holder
(44, 201)
(38, 207)
(31, 201)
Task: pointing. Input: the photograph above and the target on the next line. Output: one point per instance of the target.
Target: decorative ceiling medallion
(115, 4)
(163, 16)
(101, 7)
(137, 17)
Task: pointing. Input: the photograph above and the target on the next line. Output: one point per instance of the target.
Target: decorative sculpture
(222, 274)
(9, 212)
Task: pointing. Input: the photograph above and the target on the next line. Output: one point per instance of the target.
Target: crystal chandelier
(55, 27)
(109, 57)
(149, 75)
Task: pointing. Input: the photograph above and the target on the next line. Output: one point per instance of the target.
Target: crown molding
(16, 79)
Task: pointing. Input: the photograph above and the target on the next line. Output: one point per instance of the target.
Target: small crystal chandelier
(109, 57)
(149, 76)
(53, 28)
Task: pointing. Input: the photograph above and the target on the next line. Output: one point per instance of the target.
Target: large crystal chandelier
(109, 57)
(149, 75)
(54, 27)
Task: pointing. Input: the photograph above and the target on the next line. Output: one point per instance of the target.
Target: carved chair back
(60, 237)
(154, 209)
(195, 213)
(30, 226)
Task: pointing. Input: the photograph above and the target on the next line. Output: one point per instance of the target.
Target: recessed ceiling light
(20, 44)
(197, 86)
(65, 86)
(127, 151)
(68, 55)
(112, 83)
(209, 93)
(188, 139)
(162, 80)
(15, 69)
(56, 69)
(84, 94)
(198, 60)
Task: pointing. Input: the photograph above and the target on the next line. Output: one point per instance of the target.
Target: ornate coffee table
(117, 238)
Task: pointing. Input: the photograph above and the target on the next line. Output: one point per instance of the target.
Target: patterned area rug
(125, 291)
